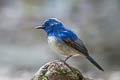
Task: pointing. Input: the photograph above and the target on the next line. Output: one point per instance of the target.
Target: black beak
(39, 27)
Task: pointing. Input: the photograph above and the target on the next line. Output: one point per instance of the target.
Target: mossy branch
(58, 70)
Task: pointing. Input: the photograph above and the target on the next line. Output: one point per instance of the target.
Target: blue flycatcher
(64, 41)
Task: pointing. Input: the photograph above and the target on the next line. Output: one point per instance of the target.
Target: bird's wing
(71, 40)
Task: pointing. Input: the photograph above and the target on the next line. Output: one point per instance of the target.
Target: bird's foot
(63, 61)
(68, 58)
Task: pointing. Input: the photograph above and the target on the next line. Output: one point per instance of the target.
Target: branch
(58, 70)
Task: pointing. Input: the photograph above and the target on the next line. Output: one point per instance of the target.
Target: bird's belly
(60, 47)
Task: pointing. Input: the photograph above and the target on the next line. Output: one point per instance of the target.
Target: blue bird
(64, 41)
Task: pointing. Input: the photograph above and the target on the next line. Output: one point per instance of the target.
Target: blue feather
(65, 41)
(95, 63)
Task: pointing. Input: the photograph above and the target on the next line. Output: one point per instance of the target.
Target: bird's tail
(95, 63)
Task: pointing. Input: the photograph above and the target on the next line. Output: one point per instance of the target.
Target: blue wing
(73, 41)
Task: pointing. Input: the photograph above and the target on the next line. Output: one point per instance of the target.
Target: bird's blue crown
(53, 27)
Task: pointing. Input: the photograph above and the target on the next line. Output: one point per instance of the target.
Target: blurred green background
(23, 49)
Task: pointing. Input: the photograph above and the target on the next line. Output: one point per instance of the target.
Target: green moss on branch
(58, 70)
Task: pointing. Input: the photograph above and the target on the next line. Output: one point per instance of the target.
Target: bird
(64, 41)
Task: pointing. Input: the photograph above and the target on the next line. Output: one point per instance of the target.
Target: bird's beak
(39, 27)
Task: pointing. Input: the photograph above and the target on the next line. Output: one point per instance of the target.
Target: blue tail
(95, 63)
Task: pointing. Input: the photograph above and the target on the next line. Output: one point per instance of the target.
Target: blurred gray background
(23, 49)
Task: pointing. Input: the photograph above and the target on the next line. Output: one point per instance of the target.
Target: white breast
(52, 42)
(61, 47)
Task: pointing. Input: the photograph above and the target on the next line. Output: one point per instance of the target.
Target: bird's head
(50, 25)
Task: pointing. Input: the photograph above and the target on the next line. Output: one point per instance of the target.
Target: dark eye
(47, 24)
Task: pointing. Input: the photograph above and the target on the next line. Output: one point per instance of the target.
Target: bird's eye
(47, 24)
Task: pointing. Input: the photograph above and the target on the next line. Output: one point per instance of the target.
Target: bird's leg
(68, 58)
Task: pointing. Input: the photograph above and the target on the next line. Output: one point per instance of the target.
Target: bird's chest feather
(60, 47)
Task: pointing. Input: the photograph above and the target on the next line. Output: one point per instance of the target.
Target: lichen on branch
(58, 70)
